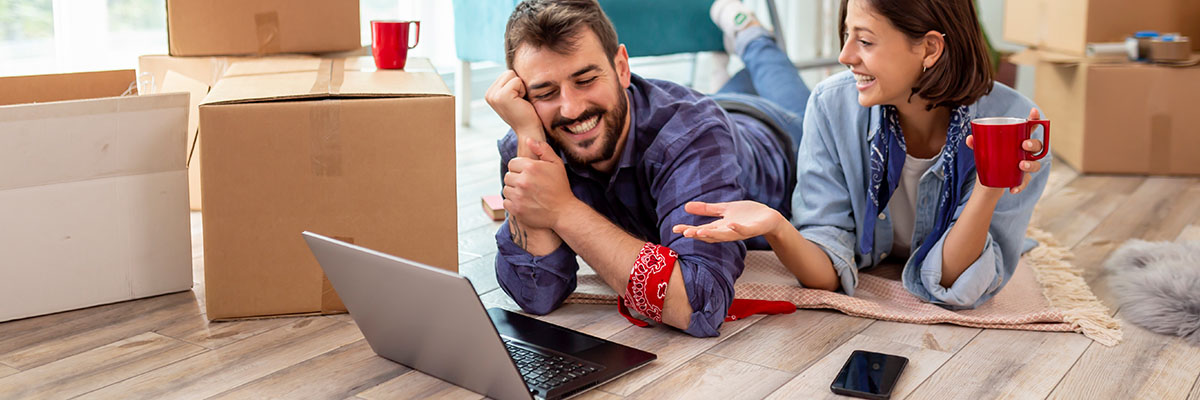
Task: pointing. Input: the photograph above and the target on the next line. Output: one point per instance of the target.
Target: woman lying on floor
(886, 167)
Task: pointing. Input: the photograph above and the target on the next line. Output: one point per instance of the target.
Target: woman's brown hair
(963, 73)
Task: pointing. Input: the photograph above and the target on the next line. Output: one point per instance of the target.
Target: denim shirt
(831, 198)
(681, 147)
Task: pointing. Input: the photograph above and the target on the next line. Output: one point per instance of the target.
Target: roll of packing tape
(1141, 40)
(1114, 50)
(1170, 48)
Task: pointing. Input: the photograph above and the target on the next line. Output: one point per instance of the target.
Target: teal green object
(646, 27)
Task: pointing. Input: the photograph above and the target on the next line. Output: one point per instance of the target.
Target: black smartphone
(869, 375)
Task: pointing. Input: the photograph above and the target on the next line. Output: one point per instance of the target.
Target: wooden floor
(164, 347)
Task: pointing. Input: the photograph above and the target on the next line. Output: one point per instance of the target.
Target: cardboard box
(261, 27)
(193, 75)
(1067, 26)
(93, 193)
(1129, 118)
(329, 146)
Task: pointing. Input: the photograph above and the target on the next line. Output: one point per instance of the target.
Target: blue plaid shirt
(681, 147)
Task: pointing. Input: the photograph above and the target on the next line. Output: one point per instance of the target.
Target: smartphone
(869, 375)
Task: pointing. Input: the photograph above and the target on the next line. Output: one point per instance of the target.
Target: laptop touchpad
(541, 333)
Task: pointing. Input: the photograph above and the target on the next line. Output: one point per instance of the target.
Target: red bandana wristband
(647, 289)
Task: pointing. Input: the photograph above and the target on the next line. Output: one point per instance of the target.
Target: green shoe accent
(739, 19)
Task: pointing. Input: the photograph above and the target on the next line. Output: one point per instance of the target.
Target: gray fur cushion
(1157, 286)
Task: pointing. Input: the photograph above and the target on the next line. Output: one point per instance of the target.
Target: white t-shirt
(903, 205)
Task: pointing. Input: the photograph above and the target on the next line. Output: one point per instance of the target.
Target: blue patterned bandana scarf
(887, 161)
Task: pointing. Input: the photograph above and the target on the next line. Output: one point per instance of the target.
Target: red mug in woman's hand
(998, 152)
(390, 43)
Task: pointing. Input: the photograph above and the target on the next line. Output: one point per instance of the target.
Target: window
(55, 36)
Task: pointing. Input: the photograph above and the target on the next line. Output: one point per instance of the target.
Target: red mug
(389, 42)
(998, 152)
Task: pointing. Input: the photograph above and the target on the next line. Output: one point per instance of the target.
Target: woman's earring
(924, 68)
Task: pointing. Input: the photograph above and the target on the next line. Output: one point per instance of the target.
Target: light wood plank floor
(164, 347)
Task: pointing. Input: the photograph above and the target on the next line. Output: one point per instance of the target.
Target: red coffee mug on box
(390, 43)
(998, 152)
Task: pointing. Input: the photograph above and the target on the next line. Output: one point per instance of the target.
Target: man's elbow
(537, 307)
(531, 298)
(534, 302)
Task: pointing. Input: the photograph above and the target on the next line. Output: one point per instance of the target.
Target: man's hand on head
(507, 97)
(536, 189)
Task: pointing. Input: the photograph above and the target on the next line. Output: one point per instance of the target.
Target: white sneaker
(731, 16)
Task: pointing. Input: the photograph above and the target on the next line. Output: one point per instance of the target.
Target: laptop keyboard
(544, 370)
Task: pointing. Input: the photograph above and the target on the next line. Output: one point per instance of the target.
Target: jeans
(770, 83)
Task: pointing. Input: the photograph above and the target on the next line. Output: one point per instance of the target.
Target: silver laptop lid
(420, 316)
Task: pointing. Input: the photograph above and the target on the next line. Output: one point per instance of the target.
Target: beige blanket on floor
(1045, 294)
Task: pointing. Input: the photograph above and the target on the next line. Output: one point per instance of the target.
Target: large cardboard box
(195, 76)
(93, 193)
(1067, 26)
(1127, 117)
(261, 27)
(328, 146)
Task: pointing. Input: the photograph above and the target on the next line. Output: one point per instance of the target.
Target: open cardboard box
(93, 193)
(1119, 117)
(330, 146)
(195, 76)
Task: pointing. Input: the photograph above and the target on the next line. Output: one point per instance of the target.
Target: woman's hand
(1029, 167)
(740, 220)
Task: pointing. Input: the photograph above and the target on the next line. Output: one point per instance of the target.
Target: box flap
(1034, 56)
(78, 140)
(174, 82)
(59, 87)
(206, 70)
(333, 78)
(272, 65)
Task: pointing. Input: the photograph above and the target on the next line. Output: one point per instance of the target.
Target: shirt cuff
(974, 286)
(839, 246)
(707, 297)
(537, 284)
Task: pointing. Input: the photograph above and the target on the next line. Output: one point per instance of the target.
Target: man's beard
(614, 121)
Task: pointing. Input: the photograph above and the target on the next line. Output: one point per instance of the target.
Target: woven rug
(1046, 293)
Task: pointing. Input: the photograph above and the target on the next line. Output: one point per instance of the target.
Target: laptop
(432, 320)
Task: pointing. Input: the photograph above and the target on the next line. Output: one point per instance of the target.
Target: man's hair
(963, 74)
(555, 25)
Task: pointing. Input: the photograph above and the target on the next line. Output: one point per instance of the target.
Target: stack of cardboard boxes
(1111, 116)
(293, 136)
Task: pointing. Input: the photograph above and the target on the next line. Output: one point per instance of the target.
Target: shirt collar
(875, 126)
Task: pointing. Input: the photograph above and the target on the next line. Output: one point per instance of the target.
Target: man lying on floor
(636, 151)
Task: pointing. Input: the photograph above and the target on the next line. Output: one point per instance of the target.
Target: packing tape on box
(321, 85)
(1170, 51)
(330, 76)
(325, 138)
(266, 26)
(337, 75)
(1160, 144)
